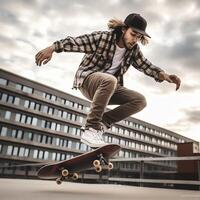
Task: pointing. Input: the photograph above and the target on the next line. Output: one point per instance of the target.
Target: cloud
(192, 115)
(188, 124)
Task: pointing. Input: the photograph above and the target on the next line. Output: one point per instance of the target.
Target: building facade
(40, 124)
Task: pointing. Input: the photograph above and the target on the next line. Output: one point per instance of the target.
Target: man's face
(130, 38)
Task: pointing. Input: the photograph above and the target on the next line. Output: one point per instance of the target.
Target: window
(122, 142)
(18, 86)
(126, 154)
(41, 153)
(72, 130)
(26, 153)
(45, 109)
(53, 126)
(64, 115)
(32, 105)
(30, 136)
(9, 150)
(15, 151)
(14, 133)
(69, 144)
(3, 81)
(21, 151)
(126, 132)
(19, 134)
(78, 131)
(80, 106)
(28, 120)
(83, 147)
(49, 140)
(65, 129)
(53, 156)
(53, 98)
(63, 101)
(50, 96)
(10, 99)
(63, 156)
(48, 124)
(37, 106)
(60, 113)
(77, 145)
(28, 90)
(58, 156)
(23, 119)
(67, 103)
(57, 141)
(70, 103)
(43, 123)
(46, 155)
(7, 115)
(37, 138)
(47, 96)
(51, 111)
(44, 138)
(58, 127)
(16, 101)
(26, 103)
(35, 153)
(80, 119)
(4, 97)
(4, 131)
(34, 121)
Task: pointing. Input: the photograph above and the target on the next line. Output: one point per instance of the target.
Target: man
(108, 55)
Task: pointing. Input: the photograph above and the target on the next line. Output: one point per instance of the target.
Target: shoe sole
(91, 145)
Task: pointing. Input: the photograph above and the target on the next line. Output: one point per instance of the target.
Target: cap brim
(140, 31)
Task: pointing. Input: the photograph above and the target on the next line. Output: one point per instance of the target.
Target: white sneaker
(93, 138)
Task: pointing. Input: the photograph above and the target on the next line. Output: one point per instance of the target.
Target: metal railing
(144, 160)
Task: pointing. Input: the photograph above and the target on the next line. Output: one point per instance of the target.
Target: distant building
(42, 124)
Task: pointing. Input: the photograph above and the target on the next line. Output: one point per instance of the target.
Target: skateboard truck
(101, 162)
(65, 174)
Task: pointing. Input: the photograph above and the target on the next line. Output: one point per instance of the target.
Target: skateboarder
(108, 55)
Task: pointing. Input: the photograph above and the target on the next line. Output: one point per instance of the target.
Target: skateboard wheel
(110, 166)
(98, 169)
(75, 176)
(58, 181)
(96, 163)
(65, 172)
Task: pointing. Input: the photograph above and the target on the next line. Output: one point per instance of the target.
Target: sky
(28, 26)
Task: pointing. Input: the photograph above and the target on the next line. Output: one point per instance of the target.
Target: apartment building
(40, 124)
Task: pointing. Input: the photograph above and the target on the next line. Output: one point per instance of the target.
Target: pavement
(25, 189)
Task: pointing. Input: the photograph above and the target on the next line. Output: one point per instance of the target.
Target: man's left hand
(170, 78)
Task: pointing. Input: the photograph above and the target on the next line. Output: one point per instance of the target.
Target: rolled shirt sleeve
(84, 44)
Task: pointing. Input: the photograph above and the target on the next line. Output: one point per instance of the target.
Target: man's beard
(124, 42)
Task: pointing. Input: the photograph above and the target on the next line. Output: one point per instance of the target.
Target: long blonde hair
(117, 24)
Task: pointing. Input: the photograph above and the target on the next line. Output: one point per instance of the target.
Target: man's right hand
(44, 56)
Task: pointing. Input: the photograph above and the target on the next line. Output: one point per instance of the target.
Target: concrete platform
(18, 189)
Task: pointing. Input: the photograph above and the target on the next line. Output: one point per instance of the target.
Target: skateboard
(69, 168)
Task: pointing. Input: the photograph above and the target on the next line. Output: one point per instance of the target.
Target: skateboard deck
(69, 168)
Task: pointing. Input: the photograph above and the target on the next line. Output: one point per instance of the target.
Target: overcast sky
(28, 26)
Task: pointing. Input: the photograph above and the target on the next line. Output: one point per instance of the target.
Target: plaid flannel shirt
(99, 48)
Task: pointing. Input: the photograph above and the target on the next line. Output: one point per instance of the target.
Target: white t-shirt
(117, 59)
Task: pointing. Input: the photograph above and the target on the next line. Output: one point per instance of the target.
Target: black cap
(137, 23)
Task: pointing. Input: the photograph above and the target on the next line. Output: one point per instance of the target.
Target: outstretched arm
(170, 78)
(142, 64)
(84, 44)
